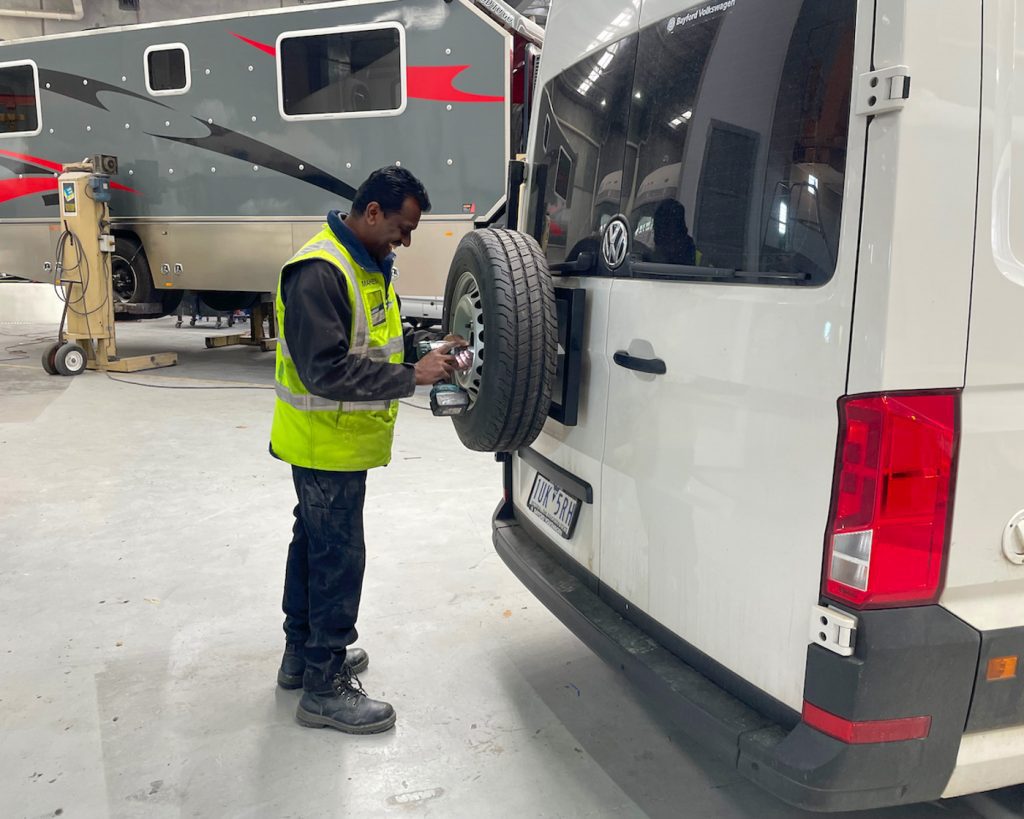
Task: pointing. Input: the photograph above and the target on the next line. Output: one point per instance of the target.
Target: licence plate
(558, 508)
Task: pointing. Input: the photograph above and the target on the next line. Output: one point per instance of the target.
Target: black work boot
(293, 665)
(345, 707)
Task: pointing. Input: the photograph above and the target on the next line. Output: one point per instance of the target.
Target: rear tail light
(892, 499)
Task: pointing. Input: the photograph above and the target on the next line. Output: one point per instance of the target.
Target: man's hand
(439, 364)
(435, 366)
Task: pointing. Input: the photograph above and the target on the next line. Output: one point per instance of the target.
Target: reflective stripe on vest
(314, 403)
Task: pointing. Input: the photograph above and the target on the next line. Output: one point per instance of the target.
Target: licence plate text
(558, 508)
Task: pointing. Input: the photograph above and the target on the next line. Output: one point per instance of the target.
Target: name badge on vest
(378, 312)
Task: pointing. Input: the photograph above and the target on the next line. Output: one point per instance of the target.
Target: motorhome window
(19, 100)
(338, 73)
(741, 117)
(585, 111)
(167, 70)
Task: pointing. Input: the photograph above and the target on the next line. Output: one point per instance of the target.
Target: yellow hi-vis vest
(318, 433)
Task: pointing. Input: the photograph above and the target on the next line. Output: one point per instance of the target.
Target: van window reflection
(585, 111)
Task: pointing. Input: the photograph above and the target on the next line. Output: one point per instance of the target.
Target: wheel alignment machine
(86, 337)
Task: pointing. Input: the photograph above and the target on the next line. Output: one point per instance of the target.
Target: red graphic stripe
(268, 49)
(53, 166)
(437, 82)
(35, 160)
(424, 82)
(13, 188)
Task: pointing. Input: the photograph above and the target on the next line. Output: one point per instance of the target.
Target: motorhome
(235, 134)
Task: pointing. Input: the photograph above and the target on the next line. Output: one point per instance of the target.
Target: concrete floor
(143, 534)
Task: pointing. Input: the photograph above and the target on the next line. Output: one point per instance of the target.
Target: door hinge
(834, 629)
(879, 92)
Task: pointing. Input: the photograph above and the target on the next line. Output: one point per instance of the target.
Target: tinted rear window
(583, 114)
(741, 111)
(719, 132)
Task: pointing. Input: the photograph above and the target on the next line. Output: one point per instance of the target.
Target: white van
(780, 474)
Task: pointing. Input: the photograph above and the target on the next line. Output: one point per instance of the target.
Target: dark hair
(389, 187)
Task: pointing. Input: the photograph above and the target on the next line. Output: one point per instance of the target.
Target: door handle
(654, 366)
(582, 264)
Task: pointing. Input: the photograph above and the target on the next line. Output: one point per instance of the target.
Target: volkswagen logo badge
(615, 243)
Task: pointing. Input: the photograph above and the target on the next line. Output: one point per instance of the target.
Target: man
(672, 241)
(340, 373)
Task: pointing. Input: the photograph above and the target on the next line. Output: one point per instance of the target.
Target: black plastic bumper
(908, 662)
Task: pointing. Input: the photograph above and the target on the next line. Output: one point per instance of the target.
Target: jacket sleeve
(317, 319)
(408, 337)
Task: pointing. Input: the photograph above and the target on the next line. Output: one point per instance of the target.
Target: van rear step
(701, 708)
(800, 765)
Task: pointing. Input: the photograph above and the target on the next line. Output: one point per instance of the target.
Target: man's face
(391, 230)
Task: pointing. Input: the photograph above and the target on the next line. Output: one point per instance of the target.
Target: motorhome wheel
(129, 272)
(500, 298)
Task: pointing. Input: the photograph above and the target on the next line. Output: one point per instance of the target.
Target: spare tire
(499, 297)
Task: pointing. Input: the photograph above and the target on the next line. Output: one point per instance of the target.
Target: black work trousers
(324, 575)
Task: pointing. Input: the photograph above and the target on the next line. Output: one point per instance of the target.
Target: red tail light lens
(891, 499)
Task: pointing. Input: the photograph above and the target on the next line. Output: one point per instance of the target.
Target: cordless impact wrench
(446, 397)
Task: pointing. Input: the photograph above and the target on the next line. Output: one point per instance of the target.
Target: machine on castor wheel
(84, 277)
(64, 358)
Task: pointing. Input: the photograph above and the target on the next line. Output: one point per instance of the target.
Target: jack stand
(87, 335)
(256, 337)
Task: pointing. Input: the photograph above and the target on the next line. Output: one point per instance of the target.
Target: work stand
(100, 358)
(265, 339)
(87, 337)
(86, 347)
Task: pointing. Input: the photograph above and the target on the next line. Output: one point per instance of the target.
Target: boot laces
(346, 682)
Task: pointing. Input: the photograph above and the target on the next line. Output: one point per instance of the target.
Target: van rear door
(984, 582)
(729, 324)
(578, 141)
(985, 564)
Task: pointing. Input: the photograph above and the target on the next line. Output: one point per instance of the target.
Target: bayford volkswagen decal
(698, 14)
